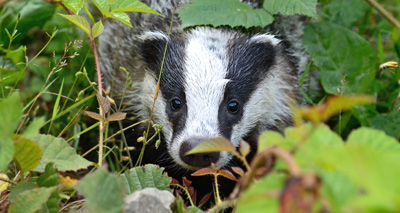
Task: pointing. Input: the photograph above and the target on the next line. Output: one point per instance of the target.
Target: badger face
(215, 83)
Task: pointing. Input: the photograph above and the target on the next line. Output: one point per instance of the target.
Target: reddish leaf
(186, 182)
(204, 171)
(192, 193)
(174, 181)
(238, 170)
(227, 174)
(103, 102)
(118, 116)
(94, 115)
(204, 199)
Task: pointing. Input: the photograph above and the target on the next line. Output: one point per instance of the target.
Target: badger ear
(265, 39)
(152, 49)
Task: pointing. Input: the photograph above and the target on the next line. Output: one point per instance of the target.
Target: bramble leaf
(79, 21)
(97, 29)
(222, 12)
(74, 5)
(31, 200)
(145, 177)
(292, 7)
(132, 6)
(95, 116)
(57, 151)
(117, 116)
(27, 153)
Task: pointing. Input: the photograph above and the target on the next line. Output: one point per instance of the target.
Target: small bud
(140, 139)
(158, 143)
(125, 158)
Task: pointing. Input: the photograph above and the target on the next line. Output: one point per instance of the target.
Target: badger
(215, 82)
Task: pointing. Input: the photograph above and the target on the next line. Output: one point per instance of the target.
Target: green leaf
(31, 200)
(49, 178)
(97, 29)
(223, 12)
(74, 5)
(27, 153)
(57, 151)
(103, 192)
(345, 13)
(145, 177)
(132, 6)
(259, 197)
(120, 16)
(103, 5)
(374, 139)
(21, 187)
(79, 21)
(292, 7)
(341, 52)
(34, 127)
(390, 123)
(10, 116)
(213, 145)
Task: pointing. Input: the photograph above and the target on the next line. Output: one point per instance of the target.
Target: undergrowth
(56, 141)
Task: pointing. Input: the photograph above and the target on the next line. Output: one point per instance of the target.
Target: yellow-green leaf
(213, 145)
(118, 116)
(78, 21)
(27, 153)
(97, 29)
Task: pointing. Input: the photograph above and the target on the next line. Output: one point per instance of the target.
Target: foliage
(345, 160)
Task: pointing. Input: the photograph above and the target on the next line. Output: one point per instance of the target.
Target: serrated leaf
(10, 116)
(132, 6)
(121, 16)
(374, 139)
(117, 116)
(31, 200)
(79, 21)
(390, 123)
(346, 60)
(21, 187)
(97, 29)
(27, 153)
(103, 5)
(145, 177)
(332, 106)
(223, 12)
(213, 145)
(345, 13)
(57, 151)
(103, 102)
(74, 5)
(95, 116)
(103, 192)
(292, 7)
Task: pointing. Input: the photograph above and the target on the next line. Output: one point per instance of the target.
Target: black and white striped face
(215, 84)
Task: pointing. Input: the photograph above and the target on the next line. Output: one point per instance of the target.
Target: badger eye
(233, 107)
(176, 104)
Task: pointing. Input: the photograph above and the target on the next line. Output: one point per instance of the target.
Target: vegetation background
(47, 82)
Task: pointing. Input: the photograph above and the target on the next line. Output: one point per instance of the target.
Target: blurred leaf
(31, 200)
(57, 151)
(49, 178)
(57, 103)
(244, 148)
(390, 123)
(227, 174)
(74, 5)
(223, 12)
(27, 153)
(204, 171)
(3, 184)
(374, 139)
(10, 116)
(341, 52)
(345, 13)
(21, 187)
(79, 21)
(120, 16)
(332, 106)
(145, 177)
(292, 7)
(132, 6)
(213, 145)
(34, 127)
(97, 29)
(103, 192)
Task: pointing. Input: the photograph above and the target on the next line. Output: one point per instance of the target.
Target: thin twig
(386, 14)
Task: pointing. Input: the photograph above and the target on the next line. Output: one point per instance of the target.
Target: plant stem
(216, 188)
(386, 14)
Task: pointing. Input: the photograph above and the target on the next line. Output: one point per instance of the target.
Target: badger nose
(197, 160)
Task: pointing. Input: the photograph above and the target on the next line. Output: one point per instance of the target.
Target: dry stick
(386, 14)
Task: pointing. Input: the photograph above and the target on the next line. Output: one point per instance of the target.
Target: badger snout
(200, 159)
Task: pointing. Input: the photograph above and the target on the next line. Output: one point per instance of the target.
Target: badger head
(215, 83)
